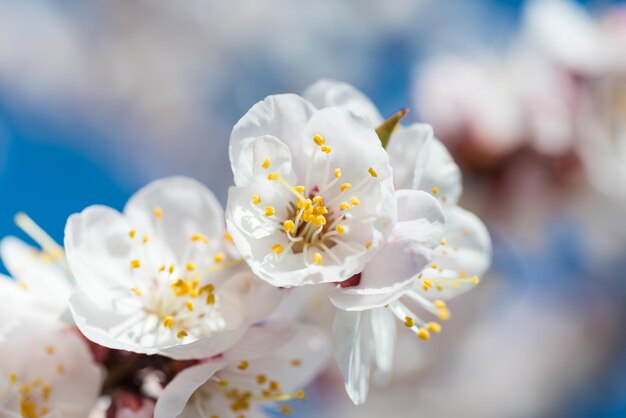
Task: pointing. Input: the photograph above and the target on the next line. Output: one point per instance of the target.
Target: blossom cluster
(176, 307)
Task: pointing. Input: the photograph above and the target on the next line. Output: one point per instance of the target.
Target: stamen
(136, 291)
(219, 257)
(135, 264)
(338, 173)
(132, 233)
(319, 140)
(345, 186)
(435, 190)
(289, 226)
(198, 237)
(344, 206)
(256, 199)
(157, 212)
(266, 163)
(355, 201)
(191, 266)
(326, 149)
(168, 322)
(340, 229)
(269, 211)
(317, 258)
(243, 365)
(423, 334)
(228, 237)
(277, 249)
(372, 172)
(273, 176)
(182, 334)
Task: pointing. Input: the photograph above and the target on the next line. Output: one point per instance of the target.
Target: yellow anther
(433, 265)
(345, 186)
(261, 379)
(427, 284)
(60, 368)
(189, 305)
(289, 226)
(219, 257)
(243, 365)
(190, 266)
(317, 258)
(274, 385)
(434, 327)
(344, 206)
(439, 287)
(444, 314)
(145, 238)
(157, 212)
(277, 249)
(273, 176)
(46, 391)
(256, 199)
(340, 229)
(210, 299)
(171, 269)
(135, 264)
(320, 220)
(286, 410)
(409, 322)
(319, 200)
(222, 383)
(266, 163)
(355, 201)
(372, 172)
(50, 349)
(228, 237)
(299, 189)
(439, 303)
(319, 140)
(368, 245)
(296, 362)
(423, 334)
(338, 173)
(13, 378)
(475, 280)
(182, 334)
(269, 211)
(168, 322)
(132, 233)
(326, 149)
(136, 291)
(162, 268)
(198, 237)
(443, 241)
(435, 190)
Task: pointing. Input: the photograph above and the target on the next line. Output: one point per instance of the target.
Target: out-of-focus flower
(313, 200)
(41, 282)
(270, 364)
(400, 269)
(162, 277)
(47, 372)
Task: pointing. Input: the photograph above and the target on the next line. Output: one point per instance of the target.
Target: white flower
(41, 283)
(313, 197)
(163, 277)
(47, 372)
(270, 364)
(421, 265)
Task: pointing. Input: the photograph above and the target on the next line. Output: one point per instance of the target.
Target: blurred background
(99, 97)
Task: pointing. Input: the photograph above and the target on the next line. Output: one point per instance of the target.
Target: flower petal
(282, 116)
(352, 352)
(384, 341)
(186, 207)
(409, 150)
(393, 270)
(176, 394)
(98, 252)
(442, 173)
(467, 253)
(331, 93)
(262, 340)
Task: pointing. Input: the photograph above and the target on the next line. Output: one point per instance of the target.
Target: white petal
(187, 207)
(409, 149)
(384, 340)
(9, 400)
(308, 345)
(176, 394)
(441, 172)
(351, 341)
(262, 340)
(98, 252)
(205, 347)
(467, 252)
(393, 270)
(330, 93)
(46, 281)
(281, 116)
